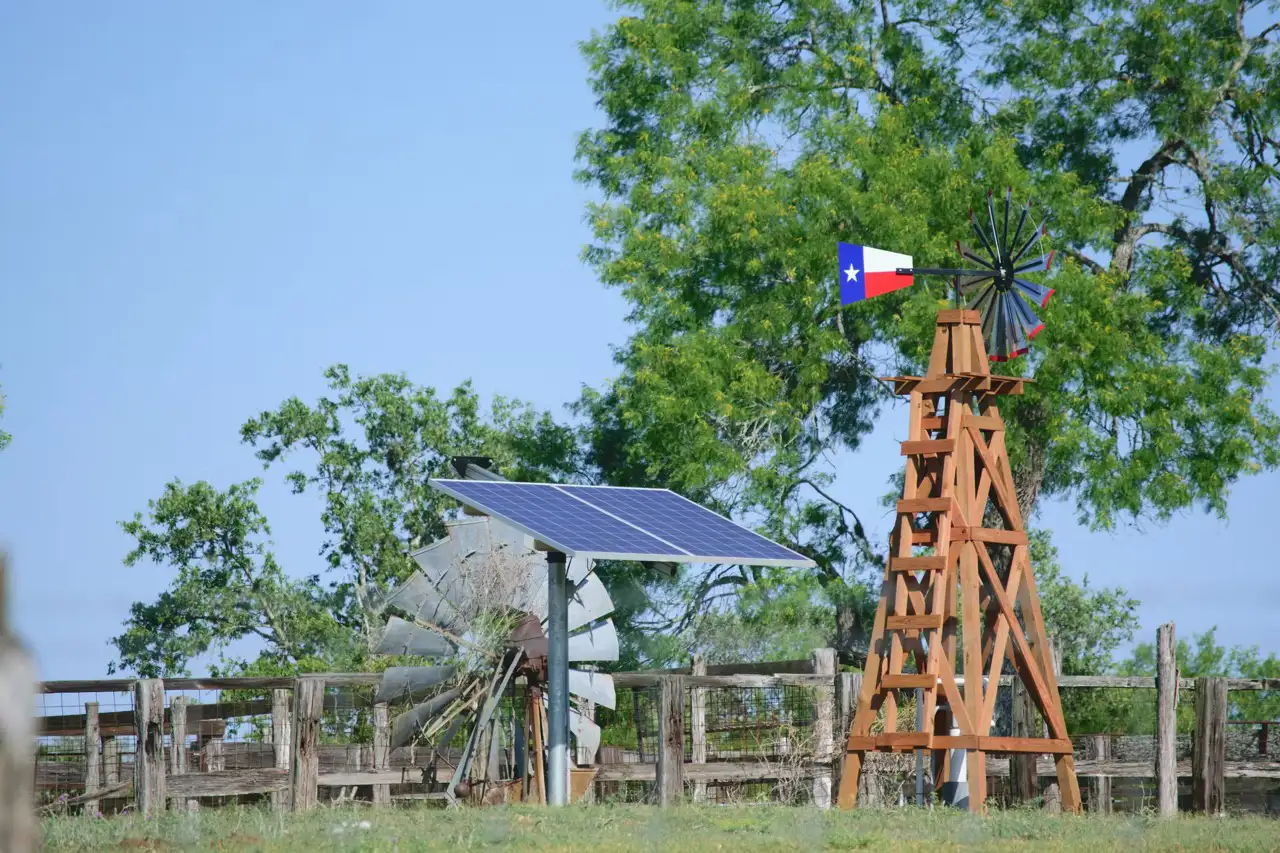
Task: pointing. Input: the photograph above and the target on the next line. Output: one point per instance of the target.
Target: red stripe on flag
(879, 283)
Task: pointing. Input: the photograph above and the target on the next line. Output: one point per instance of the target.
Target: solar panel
(560, 520)
(606, 522)
(683, 523)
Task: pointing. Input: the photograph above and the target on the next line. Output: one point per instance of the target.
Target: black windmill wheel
(999, 291)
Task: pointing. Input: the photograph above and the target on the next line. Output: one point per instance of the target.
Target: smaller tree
(228, 587)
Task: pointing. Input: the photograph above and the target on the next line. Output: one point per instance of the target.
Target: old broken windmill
(479, 601)
(958, 595)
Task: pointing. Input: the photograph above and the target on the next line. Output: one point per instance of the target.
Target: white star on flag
(851, 273)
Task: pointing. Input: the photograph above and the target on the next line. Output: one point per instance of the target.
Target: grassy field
(610, 829)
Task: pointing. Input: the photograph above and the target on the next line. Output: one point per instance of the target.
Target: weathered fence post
(1023, 787)
(381, 751)
(214, 731)
(847, 686)
(148, 761)
(1166, 722)
(178, 763)
(17, 737)
(1052, 794)
(698, 725)
(282, 743)
(1209, 748)
(92, 757)
(670, 740)
(1098, 747)
(824, 663)
(308, 706)
(110, 762)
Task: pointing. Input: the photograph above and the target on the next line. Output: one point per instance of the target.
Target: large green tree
(741, 139)
(366, 449)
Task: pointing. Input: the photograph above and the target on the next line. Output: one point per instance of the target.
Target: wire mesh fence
(767, 740)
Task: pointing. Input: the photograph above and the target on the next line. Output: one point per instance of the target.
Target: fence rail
(702, 730)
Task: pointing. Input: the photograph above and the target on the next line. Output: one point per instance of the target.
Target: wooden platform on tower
(958, 594)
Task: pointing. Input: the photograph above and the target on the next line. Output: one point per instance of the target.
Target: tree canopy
(738, 141)
(741, 140)
(366, 450)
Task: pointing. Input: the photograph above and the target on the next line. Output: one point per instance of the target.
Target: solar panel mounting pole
(557, 681)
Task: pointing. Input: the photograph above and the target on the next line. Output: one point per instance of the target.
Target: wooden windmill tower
(958, 594)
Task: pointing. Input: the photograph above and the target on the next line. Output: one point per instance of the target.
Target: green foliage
(227, 586)
(740, 141)
(368, 450)
(1202, 656)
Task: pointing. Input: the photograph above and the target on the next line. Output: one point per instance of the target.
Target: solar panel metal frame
(675, 554)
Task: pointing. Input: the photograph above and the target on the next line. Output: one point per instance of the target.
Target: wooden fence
(675, 757)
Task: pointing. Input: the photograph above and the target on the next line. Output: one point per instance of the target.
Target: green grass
(606, 829)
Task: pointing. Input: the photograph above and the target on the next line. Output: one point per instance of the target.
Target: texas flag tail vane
(996, 288)
(866, 272)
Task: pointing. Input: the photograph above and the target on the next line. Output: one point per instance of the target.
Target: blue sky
(200, 211)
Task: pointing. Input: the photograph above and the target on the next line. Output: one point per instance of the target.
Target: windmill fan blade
(1015, 338)
(968, 254)
(1008, 199)
(970, 283)
(407, 725)
(998, 347)
(420, 599)
(995, 235)
(596, 643)
(1029, 323)
(411, 682)
(1041, 262)
(577, 569)
(589, 602)
(586, 732)
(1022, 220)
(984, 307)
(405, 638)
(595, 686)
(986, 244)
(1031, 242)
(1037, 293)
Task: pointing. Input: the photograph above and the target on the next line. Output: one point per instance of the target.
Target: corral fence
(716, 734)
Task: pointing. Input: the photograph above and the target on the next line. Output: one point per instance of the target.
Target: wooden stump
(381, 751)
(148, 761)
(824, 663)
(698, 725)
(111, 762)
(847, 685)
(1023, 784)
(671, 741)
(1098, 747)
(308, 706)
(1209, 749)
(17, 738)
(1166, 722)
(282, 742)
(92, 756)
(179, 764)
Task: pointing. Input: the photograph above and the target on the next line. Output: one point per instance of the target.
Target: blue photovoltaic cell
(559, 519)
(646, 523)
(683, 523)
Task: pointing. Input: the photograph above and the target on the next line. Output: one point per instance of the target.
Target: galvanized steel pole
(557, 681)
